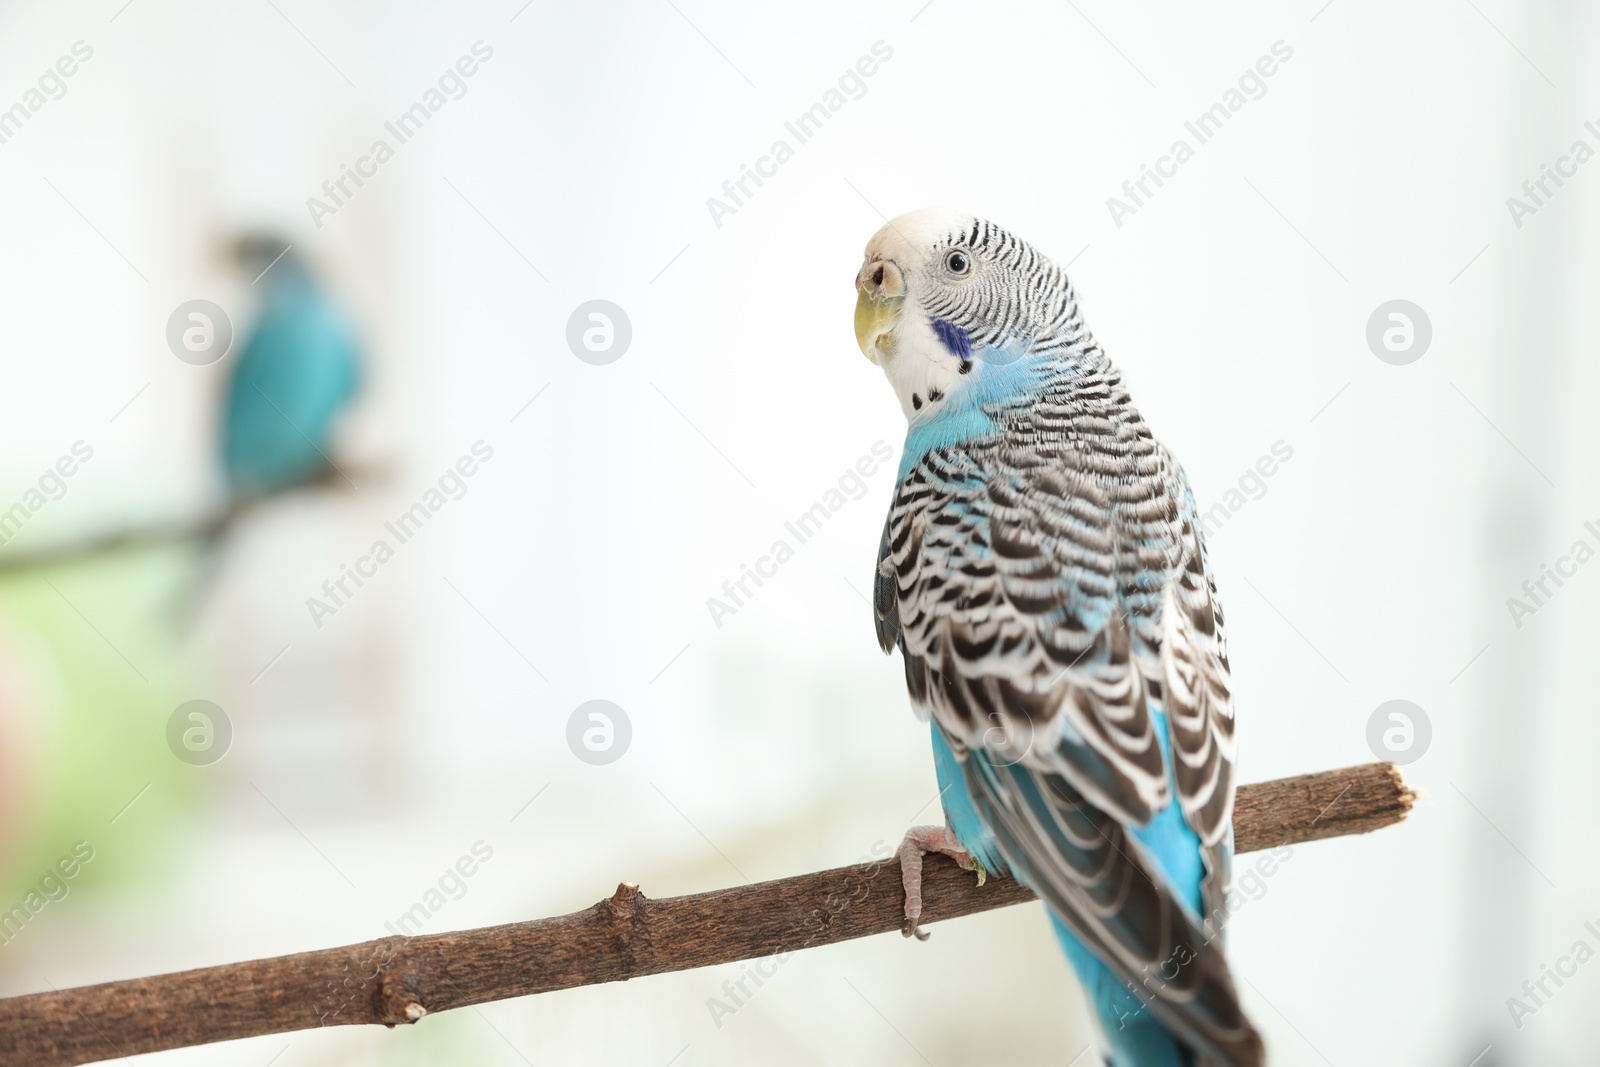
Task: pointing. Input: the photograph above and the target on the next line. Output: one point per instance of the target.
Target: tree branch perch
(399, 979)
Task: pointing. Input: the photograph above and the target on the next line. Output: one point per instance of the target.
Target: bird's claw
(918, 841)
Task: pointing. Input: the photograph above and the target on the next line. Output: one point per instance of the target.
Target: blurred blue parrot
(297, 371)
(294, 375)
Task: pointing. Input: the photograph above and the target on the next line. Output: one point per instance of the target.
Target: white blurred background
(430, 714)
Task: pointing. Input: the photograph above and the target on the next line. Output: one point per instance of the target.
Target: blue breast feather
(1001, 375)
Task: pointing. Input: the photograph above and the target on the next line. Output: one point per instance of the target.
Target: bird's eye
(957, 262)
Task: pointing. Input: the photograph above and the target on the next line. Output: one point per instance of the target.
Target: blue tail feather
(1131, 1034)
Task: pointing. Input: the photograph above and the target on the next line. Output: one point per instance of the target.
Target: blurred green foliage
(90, 671)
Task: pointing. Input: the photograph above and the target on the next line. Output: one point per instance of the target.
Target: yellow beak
(880, 294)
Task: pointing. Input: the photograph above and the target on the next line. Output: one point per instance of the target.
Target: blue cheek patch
(953, 338)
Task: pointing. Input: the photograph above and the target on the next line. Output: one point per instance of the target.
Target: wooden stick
(190, 530)
(400, 979)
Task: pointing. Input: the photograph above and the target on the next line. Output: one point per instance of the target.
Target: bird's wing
(1197, 697)
(1063, 599)
(1051, 603)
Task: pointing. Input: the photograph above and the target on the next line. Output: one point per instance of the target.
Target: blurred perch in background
(399, 979)
(295, 374)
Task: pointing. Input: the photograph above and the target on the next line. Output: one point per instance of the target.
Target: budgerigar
(1043, 574)
(297, 371)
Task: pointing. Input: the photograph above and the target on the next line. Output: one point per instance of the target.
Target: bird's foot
(920, 840)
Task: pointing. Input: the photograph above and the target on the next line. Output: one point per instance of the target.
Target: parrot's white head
(941, 291)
